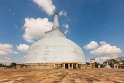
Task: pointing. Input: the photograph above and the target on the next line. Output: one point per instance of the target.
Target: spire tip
(56, 21)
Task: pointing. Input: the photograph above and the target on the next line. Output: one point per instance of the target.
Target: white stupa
(55, 48)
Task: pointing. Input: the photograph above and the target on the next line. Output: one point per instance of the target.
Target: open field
(62, 76)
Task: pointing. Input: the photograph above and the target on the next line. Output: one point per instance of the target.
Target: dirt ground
(62, 76)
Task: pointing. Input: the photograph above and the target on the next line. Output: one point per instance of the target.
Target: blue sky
(88, 20)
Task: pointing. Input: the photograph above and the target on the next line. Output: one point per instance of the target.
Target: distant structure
(107, 65)
(92, 63)
(120, 65)
(54, 51)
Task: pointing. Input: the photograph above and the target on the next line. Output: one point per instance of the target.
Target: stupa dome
(54, 48)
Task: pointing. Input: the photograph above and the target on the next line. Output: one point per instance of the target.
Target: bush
(13, 65)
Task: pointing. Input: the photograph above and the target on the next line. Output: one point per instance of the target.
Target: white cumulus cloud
(106, 49)
(23, 47)
(92, 45)
(34, 28)
(102, 51)
(6, 49)
(103, 42)
(46, 5)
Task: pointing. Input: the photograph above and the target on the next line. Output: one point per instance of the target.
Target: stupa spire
(56, 21)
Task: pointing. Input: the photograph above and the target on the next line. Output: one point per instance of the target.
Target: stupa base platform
(64, 65)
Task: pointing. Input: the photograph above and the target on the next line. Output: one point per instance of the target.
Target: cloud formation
(103, 48)
(63, 13)
(6, 49)
(66, 26)
(34, 29)
(23, 47)
(106, 49)
(6, 60)
(92, 45)
(46, 5)
(102, 59)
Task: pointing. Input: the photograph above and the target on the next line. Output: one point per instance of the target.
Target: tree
(111, 62)
(96, 64)
(87, 63)
(1, 65)
(13, 64)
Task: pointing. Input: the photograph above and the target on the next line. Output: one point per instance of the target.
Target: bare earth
(62, 76)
